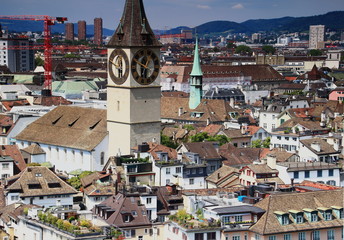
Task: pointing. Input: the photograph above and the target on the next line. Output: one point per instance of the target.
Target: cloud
(203, 6)
(238, 6)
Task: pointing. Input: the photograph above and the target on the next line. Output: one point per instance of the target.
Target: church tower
(133, 90)
(195, 80)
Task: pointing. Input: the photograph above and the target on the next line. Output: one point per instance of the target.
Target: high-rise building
(69, 29)
(81, 30)
(98, 31)
(17, 60)
(316, 36)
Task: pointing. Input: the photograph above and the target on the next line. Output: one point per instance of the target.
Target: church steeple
(133, 29)
(196, 68)
(195, 80)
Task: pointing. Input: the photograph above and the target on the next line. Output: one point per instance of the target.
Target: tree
(75, 181)
(231, 45)
(203, 136)
(266, 142)
(315, 52)
(268, 49)
(257, 143)
(166, 141)
(39, 61)
(243, 49)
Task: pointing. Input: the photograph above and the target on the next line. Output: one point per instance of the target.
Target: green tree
(166, 141)
(257, 143)
(266, 142)
(39, 61)
(75, 181)
(268, 49)
(199, 137)
(222, 139)
(243, 49)
(188, 127)
(315, 52)
(231, 45)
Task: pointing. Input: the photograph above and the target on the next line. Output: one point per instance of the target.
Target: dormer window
(282, 217)
(326, 213)
(314, 217)
(297, 215)
(338, 211)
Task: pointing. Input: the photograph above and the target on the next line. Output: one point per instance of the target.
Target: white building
(72, 138)
(318, 150)
(16, 54)
(6, 167)
(40, 186)
(297, 172)
(316, 36)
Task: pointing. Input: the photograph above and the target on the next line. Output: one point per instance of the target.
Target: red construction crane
(48, 21)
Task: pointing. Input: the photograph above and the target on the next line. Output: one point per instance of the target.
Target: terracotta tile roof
(225, 176)
(154, 148)
(9, 104)
(121, 205)
(261, 168)
(206, 150)
(256, 72)
(239, 157)
(214, 110)
(99, 190)
(308, 124)
(292, 86)
(51, 101)
(281, 154)
(252, 129)
(49, 182)
(211, 129)
(235, 133)
(269, 224)
(175, 94)
(314, 74)
(325, 147)
(2, 198)
(13, 211)
(89, 179)
(14, 152)
(173, 132)
(6, 122)
(33, 149)
(68, 126)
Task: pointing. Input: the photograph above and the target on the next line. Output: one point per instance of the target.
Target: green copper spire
(196, 68)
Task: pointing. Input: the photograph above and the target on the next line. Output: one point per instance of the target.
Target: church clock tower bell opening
(133, 90)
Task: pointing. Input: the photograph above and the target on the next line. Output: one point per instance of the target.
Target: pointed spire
(134, 29)
(196, 68)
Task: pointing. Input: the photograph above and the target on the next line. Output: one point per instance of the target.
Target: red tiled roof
(8, 104)
(14, 152)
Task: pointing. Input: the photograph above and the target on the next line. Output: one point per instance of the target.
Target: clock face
(145, 66)
(118, 66)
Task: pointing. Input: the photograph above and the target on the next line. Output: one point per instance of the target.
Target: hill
(292, 24)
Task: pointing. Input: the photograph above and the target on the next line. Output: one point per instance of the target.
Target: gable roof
(68, 126)
(325, 147)
(213, 109)
(39, 176)
(206, 150)
(33, 149)
(121, 205)
(14, 152)
(239, 157)
(225, 176)
(269, 224)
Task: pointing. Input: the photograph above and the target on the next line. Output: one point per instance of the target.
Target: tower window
(118, 105)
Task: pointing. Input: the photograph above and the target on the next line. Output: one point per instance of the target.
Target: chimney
(271, 161)
(208, 121)
(323, 119)
(231, 102)
(316, 146)
(180, 111)
(336, 145)
(244, 128)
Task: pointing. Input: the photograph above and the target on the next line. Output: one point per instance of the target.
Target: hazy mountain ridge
(292, 24)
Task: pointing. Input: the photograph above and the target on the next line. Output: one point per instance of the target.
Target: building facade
(98, 31)
(316, 36)
(69, 31)
(81, 30)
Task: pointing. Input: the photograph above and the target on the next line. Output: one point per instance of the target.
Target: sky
(167, 14)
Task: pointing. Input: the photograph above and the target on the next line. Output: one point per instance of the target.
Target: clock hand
(114, 63)
(148, 59)
(140, 63)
